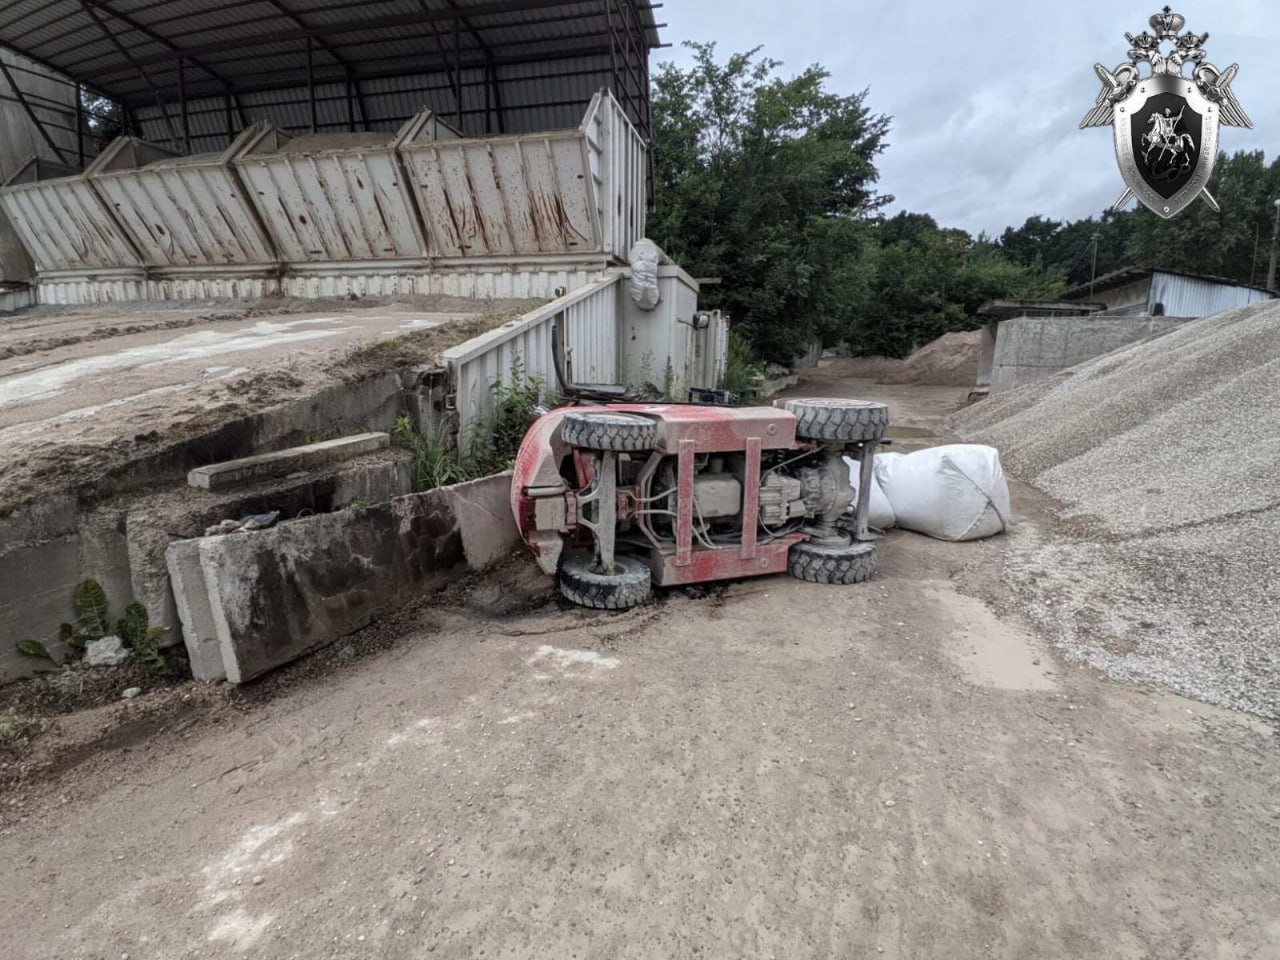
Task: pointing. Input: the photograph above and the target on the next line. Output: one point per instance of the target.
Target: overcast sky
(986, 95)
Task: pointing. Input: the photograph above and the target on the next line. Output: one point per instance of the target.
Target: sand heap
(949, 361)
(1166, 456)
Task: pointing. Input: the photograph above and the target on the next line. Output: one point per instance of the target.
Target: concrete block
(374, 482)
(277, 594)
(220, 476)
(483, 511)
(191, 594)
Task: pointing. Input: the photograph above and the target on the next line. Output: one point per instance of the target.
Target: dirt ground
(85, 388)
(771, 768)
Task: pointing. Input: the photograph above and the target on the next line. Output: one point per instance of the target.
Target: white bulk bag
(879, 512)
(644, 257)
(952, 492)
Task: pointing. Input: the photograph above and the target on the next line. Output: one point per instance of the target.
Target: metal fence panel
(617, 156)
(522, 348)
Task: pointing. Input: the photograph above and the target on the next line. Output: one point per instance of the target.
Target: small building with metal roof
(1157, 291)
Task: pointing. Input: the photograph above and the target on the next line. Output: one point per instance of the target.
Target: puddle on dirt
(988, 651)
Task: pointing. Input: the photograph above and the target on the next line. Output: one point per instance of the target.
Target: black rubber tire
(628, 587)
(818, 564)
(607, 430)
(847, 421)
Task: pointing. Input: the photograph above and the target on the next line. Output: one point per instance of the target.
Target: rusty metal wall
(562, 192)
(332, 203)
(504, 196)
(65, 225)
(182, 211)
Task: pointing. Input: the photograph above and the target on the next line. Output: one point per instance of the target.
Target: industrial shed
(307, 148)
(1026, 340)
(1171, 293)
(392, 149)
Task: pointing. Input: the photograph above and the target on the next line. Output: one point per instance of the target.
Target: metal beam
(30, 112)
(97, 5)
(362, 26)
(420, 69)
(89, 9)
(348, 71)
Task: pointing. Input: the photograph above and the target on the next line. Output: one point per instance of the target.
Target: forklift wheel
(818, 564)
(606, 430)
(847, 421)
(623, 589)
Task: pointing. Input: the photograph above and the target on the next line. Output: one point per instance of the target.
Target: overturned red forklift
(618, 496)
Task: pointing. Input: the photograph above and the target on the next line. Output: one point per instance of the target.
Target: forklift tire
(628, 587)
(606, 430)
(846, 421)
(818, 564)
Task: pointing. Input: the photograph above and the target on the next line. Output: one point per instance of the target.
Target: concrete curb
(278, 463)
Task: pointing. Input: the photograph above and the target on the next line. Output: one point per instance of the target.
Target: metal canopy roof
(193, 73)
(141, 51)
(1126, 275)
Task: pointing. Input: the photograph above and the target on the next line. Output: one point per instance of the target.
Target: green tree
(767, 182)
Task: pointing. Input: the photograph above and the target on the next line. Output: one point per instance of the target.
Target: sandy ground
(78, 383)
(768, 769)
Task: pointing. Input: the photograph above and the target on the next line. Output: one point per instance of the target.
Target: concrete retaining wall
(251, 602)
(49, 546)
(1030, 347)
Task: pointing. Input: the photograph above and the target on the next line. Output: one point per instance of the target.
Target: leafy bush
(435, 462)
(495, 438)
(90, 602)
(741, 368)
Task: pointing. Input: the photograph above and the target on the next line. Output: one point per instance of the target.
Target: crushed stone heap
(1165, 456)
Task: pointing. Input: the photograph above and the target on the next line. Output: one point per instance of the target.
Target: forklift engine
(617, 497)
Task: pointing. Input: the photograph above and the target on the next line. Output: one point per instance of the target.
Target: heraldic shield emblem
(1166, 124)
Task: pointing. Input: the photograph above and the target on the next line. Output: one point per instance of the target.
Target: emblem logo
(1166, 124)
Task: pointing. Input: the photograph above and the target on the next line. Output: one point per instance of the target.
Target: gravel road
(903, 769)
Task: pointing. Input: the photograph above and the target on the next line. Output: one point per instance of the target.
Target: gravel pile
(1166, 457)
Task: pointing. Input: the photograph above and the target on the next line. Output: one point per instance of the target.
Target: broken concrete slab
(276, 594)
(278, 463)
(191, 596)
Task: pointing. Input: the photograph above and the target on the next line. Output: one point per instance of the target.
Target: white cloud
(986, 96)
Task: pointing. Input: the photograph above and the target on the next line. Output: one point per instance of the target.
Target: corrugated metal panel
(184, 210)
(505, 195)
(365, 279)
(1196, 297)
(65, 226)
(589, 319)
(15, 299)
(559, 192)
(618, 160)
(333, 204)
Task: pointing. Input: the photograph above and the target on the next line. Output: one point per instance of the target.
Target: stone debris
(1166, 458)
(257, 521)
(106, 652)
(130, 693)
